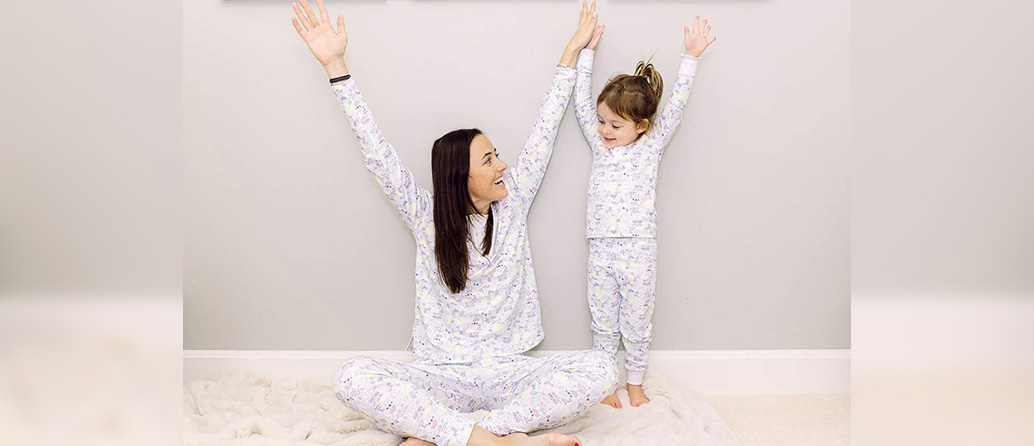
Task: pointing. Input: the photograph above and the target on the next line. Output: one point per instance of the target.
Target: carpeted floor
(778, 420)
(244, 409)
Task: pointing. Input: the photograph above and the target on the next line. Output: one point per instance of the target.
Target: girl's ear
(641, 126)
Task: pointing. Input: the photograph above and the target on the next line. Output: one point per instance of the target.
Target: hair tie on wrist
(339, 79)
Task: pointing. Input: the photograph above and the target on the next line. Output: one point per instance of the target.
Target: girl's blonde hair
(634, 96)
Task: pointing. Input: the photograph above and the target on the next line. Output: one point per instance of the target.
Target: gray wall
(289, 243)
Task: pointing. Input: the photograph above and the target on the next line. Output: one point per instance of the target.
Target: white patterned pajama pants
(520, 393)
(622, 288)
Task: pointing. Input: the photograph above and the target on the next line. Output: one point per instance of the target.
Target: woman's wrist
(570, 56)
(336, 68)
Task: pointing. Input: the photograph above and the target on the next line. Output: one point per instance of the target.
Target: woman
(477, 307)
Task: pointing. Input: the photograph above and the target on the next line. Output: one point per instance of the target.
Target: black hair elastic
(339, 79)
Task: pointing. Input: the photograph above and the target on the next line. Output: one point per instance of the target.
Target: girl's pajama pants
(520, 393)
(622, 288)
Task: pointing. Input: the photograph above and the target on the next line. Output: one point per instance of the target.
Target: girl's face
(615, 130)
(486, 174)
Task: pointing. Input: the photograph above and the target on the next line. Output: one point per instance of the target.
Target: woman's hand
(583, 35)
(696, 40)
(327, 44)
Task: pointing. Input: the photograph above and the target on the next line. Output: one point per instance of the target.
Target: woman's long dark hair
(450, 172)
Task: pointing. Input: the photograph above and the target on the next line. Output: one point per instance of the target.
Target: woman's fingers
(323, 12)
(302, 18)
(310, 15)
(340, 24)
(298, 27)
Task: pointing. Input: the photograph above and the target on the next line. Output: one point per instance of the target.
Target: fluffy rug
(251, 409)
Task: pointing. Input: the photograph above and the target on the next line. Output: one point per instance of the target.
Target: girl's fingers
(712, 40)
(340, 24)
(323, 11)
(313, 20)
(298, 27)
(301, 18)
(707, 29)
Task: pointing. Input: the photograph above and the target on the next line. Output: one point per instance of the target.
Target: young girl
(627, 144)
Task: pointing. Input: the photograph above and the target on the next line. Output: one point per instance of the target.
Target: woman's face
(615, 130)
(486, 174)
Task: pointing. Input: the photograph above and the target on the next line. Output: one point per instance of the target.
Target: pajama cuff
(688, 67)
(635, 377)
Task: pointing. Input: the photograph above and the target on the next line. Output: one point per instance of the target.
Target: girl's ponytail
(646, 70)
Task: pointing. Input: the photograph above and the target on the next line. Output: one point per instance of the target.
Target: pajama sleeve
(584, 106)
(412, 201)
(525, 175)
(669, 118)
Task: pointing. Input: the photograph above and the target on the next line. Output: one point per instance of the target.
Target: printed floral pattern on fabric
(497, 314)
(520, 393)
(623, 181)
(622, 291)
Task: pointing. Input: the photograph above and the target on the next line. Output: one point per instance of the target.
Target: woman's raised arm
(328, 46)
(527, 171)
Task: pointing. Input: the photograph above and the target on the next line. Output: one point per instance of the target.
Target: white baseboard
(708, 372)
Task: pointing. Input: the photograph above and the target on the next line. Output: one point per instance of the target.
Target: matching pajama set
(621, 220)
(470, 344)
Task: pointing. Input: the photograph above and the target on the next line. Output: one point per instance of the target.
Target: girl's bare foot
(413, 441)
(612, 400)
(636, 397)
(543, 440)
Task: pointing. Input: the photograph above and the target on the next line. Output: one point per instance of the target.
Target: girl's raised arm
(668, 120)
(584, 106)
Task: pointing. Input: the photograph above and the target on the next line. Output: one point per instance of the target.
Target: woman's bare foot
(612, 400)
(543, 440)
(636, 397)
(413, 441)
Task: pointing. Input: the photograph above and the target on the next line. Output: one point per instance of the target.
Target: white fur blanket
(249, 409)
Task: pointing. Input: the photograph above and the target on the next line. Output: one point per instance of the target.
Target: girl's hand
(697, 41)
(326, 43)
(583, 35)
(596, 34)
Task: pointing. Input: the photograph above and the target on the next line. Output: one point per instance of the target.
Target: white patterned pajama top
(621, 220)
(470, 344)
